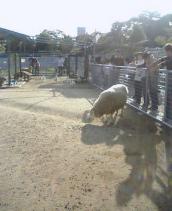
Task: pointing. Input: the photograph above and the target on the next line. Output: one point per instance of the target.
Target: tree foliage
(54, 41)
(149, 29)
(136, 35)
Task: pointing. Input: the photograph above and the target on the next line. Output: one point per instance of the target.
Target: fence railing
(78, 67)
(4, 66)
(150, 94)
(9, 66)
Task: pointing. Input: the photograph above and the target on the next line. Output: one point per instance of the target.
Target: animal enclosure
(104, 76)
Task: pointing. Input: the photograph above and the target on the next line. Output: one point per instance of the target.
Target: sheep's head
(88, 116)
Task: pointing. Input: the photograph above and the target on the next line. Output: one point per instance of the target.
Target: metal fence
(157, 52)
(49, 64)
(78, 67)
(72, 66)
(150, 94)
(4, 66)
(9, 66)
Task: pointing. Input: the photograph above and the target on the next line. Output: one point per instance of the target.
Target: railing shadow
(139, 137)
(71, 90)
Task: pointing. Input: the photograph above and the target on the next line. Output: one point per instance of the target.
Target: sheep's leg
(110, 120)
(122, 112)
(115, 116)
(104, 119)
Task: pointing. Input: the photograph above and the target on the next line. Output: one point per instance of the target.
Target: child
(140, 73)
(151, 88)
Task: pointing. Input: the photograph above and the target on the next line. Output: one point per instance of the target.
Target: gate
(78, 67)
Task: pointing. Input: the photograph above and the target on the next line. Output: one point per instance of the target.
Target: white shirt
(140, 73)
(60, 62)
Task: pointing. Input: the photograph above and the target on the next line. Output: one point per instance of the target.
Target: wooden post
(15, 62)
(9, 66)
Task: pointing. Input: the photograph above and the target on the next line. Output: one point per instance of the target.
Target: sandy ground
(51, 160)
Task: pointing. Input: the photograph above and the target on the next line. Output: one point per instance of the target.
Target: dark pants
(169, 97)
(60, 71)
(138, 91)
(153, 90)
(145, 92)
(150, 91)
(35, 70)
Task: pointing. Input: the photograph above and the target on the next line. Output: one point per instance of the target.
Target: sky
(33, 16)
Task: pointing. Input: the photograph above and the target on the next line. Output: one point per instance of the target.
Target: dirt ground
(51, 160)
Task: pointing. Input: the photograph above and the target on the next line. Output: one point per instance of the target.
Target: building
(81, 31)
(14, 41)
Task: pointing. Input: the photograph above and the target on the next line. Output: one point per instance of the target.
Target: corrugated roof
(6, 34)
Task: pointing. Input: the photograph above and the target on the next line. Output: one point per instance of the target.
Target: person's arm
(141, 66)
(159, 62)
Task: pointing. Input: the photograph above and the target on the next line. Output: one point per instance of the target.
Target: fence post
(15, 63)
(9, 69)
(165, 99)
(103, 77)
(146, 89)
(68, 65)
(168, 146)
(20, 64)
(76, 65)
(119, 70)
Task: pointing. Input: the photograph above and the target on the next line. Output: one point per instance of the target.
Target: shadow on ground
(139, 137)
(71, 91)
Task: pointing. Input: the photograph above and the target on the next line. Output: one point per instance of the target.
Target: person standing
(60, 66)
(150, 84)
(139, 74)
(36, 66)
(30, 60)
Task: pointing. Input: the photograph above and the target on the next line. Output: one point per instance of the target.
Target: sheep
(108, 104)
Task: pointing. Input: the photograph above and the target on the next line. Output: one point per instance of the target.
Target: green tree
(66, 44)
(153, 25)
(137, 34)
(85, 39)
(46, 41)
(148, 29)
(54, 41)
(160, 40)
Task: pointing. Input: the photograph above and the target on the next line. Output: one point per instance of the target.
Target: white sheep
(108, 104)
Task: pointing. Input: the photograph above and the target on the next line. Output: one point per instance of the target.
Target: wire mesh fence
(149, 92)
(4, 66)
(72, 66)
(9, 66)
(78, 67)
(49, 65)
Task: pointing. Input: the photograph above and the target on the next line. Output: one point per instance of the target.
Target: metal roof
(6, 34)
